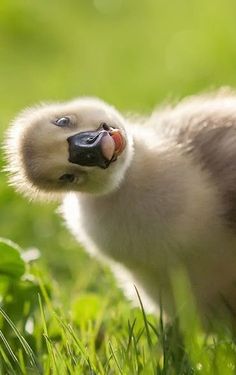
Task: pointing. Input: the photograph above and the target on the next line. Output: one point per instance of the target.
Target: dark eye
(62, 122)
(67, 177)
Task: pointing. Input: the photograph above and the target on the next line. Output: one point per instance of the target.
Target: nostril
(91, 139)
(67, 177)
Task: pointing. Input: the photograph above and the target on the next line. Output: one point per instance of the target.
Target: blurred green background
(133, 54)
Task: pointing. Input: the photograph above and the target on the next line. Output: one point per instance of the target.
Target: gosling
(147, 196)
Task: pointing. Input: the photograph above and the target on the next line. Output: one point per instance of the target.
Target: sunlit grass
(68, 316)
(103, 334)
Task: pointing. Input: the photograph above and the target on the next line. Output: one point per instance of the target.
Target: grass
(65, 314)
(96, 331)
(103, 335)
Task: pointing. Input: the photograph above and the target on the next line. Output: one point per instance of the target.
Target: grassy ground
(133, 54)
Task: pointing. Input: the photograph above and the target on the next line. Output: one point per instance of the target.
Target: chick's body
(169, 200)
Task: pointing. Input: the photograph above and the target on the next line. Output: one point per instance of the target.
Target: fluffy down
(155, 195)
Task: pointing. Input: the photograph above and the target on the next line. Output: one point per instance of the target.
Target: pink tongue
(108, 147)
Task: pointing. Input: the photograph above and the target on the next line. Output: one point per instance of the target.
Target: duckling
(146, 196)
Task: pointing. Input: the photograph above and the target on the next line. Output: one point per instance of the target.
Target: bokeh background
(133, 54)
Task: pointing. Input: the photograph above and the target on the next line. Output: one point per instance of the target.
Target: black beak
(85, 149)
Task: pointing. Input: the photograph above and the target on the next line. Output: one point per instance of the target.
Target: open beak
(96, 148)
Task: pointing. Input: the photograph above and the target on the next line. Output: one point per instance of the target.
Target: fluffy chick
(147, 197)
